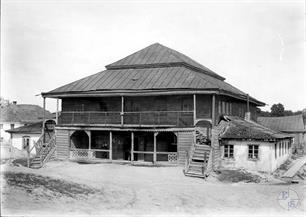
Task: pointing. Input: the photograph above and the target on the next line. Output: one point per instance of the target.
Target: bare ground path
(104, 189)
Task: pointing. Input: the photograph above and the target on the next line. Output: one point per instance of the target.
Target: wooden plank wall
(184, 143)
(62, 144)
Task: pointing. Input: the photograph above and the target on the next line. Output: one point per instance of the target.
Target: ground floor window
(253, 151)
(228, 151)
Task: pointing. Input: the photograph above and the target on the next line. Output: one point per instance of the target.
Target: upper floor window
(253, 151)
(228, 151)
(187, 105)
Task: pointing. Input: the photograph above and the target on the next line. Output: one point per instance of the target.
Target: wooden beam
(130, 93)
(154, 150)
(194, 109)
(132, 147)
(122, 109)
(110, 145)
(56, 114)
(213, 109)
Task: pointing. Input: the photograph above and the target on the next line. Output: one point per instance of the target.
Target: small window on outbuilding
(25, 142)
(253, 152)
(228, 151)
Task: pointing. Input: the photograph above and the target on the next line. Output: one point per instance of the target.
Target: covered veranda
(124, 146)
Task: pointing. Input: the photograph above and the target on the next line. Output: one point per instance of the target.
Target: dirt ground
(69, 188)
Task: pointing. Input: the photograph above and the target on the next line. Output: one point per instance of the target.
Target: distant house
(249, 145)
(25, 136)
(16, 115)
(294, 125)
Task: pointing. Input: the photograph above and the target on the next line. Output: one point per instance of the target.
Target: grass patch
(237, 176)
(29, 182)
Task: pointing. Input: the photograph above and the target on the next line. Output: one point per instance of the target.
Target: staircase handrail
(39, 143)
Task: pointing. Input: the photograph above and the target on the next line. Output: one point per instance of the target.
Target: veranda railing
(169, 118)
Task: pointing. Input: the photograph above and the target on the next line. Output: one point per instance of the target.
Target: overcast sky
(257, 46)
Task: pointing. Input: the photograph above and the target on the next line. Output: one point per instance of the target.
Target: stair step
(203, 147)
(191, 174)
(198, 158)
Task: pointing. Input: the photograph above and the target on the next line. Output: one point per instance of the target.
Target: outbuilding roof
(35, 128)
(288, 124)
(155, 68)
(238, 128)
(22, 113)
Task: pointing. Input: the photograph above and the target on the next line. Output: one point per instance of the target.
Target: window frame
(228, 149)
(252, 147)
(24, 139)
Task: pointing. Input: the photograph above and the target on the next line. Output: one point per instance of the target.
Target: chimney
(247, 115)
(15, 102)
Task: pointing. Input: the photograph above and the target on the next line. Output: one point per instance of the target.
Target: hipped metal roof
(290, 124)
(153, 69)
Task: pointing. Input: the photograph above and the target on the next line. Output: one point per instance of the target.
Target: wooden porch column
(44, 117)
(122, 109)
(213, 110)
(132, 147)
(194, 109)
(89, 139)
(154, 152)
(110, 145)
(56, 114)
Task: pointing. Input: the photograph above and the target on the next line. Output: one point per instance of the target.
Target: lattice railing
(172, 157)
(77, 153)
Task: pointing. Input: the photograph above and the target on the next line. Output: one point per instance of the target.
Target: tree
(277, 110)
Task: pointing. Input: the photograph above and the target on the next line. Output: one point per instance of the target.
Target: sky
(258, 46)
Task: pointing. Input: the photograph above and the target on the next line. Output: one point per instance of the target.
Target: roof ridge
(144, 61)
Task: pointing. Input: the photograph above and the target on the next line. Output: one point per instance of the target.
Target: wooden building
(144, 108)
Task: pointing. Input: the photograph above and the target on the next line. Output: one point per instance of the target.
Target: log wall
(62, 144)
(184, 143)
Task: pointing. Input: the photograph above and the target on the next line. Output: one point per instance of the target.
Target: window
(279, 149)
(26, 142)
(12, 126)
(186, 105)
(1, 126)
(253, 151)
(228, 151)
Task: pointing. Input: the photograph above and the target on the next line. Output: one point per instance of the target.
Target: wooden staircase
(197, 161)
(44, 152)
